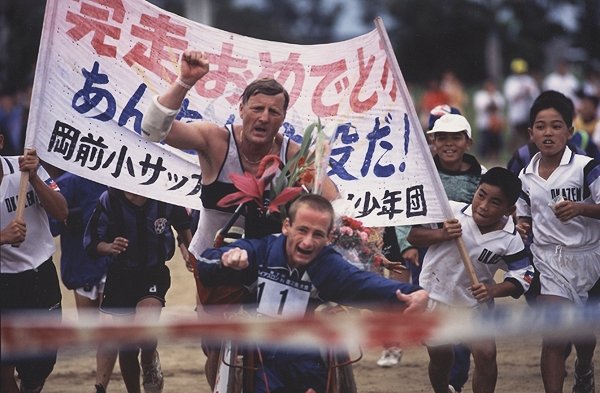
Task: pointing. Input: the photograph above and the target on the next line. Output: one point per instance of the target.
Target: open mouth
(303, 252)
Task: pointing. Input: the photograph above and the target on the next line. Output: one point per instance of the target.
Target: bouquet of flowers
(271, 190)
(358, 244)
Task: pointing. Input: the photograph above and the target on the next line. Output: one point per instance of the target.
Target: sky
(349, 23)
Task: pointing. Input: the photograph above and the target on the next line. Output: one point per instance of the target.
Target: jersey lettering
(31, 199)
(571, 193)
(488, 257)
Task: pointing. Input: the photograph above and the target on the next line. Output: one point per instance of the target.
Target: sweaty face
(489, 206)
(451, 147)
(262, 116)
(306, 235)
(550, 133)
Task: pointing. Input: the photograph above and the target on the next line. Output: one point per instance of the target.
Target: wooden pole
(437, 183)
(23, 183)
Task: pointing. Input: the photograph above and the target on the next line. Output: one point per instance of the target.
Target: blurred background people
(520, 89)
(489, 105)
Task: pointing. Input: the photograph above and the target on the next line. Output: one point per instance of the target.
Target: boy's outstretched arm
(416, 302)
(424, 237)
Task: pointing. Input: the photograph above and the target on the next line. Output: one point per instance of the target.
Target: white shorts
(92, 293)
(567, 272)
(436, 306)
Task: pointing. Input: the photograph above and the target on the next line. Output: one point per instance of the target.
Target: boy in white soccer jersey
(492, 242)
(560, 203)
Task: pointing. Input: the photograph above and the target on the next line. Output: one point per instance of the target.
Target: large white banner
(102, 61)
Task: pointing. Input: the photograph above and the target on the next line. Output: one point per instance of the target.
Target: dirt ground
(182, 363)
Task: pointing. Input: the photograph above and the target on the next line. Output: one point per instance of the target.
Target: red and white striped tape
(30, 334)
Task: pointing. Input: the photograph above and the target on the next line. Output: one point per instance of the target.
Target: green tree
(21, 30)
(588, 36)
(430, 36)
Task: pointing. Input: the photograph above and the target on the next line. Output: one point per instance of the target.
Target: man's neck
(252, 153)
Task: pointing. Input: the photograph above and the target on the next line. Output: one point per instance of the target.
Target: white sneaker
(390, 357)
(152, 376)
(451, 389)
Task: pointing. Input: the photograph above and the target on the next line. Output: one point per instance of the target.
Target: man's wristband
(183, 84)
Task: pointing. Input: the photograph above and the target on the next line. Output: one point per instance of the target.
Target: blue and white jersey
(38, 245)
(444, 275)
(284, 292)
(147, 228)
(575, 179)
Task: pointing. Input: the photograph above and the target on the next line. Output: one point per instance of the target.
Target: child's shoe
(584, 382)
(152, 376)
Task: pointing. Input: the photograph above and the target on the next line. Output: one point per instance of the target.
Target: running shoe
(584, 382)
(390, 357)
(152, 376)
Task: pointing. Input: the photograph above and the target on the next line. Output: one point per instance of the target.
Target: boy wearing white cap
(460, 172)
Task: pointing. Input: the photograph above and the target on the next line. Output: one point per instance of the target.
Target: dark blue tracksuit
(329, 277)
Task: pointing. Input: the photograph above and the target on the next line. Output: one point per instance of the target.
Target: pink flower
(356, 242)
(363, 236)
(346, 230)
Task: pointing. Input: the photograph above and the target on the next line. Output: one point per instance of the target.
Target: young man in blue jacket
(292, 274)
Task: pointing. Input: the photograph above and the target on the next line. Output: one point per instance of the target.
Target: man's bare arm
(158, 121)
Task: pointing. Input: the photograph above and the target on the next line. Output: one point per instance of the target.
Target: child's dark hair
(508, 182)
(555, 100)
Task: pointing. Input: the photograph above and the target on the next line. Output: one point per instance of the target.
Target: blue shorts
(126, 287)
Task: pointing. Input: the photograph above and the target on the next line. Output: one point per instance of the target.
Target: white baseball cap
(451, 122)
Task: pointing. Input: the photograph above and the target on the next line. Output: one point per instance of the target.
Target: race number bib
(281, 297)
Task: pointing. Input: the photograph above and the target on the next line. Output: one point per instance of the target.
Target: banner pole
(23, 182)
(430, 165)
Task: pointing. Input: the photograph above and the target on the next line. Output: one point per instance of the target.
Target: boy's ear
(469, 142)
(285, 228)
(571, 130)
(330, 237)
(511, 210)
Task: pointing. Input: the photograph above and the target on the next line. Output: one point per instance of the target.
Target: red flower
(252, 188)
(352, 223)
(307, 177)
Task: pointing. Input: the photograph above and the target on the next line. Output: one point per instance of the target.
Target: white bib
(282, 297)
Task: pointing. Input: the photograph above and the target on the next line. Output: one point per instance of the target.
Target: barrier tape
(32, 334)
